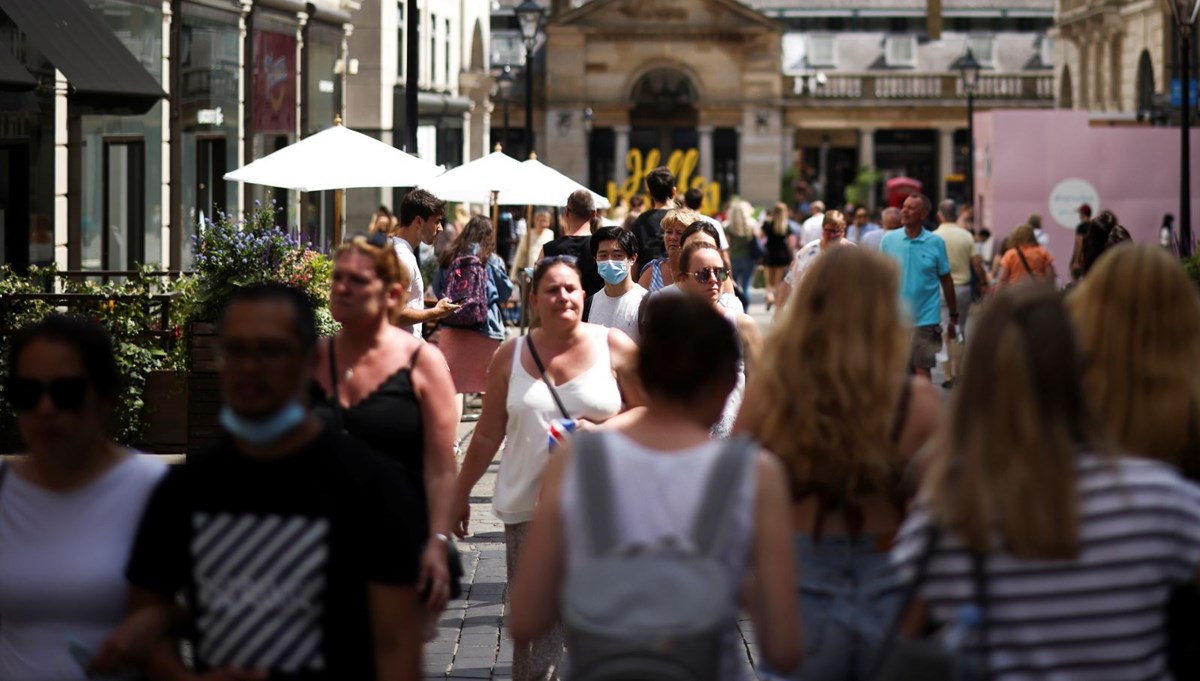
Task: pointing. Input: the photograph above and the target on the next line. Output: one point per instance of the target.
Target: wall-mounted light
(588, 119)
(564, 122)
(761, 122)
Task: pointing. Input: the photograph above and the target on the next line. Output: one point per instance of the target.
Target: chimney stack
(933, 19)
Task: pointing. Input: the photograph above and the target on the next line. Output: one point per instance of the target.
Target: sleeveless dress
(778, 254)
(593, 395)
(656, 278)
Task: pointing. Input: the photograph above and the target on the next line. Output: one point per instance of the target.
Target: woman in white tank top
(660, 461)
(593, 370)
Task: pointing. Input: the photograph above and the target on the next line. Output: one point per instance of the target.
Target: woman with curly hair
(832, 400)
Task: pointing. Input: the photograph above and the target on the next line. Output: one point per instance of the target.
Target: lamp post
(1185, 21)
(968, 69)
(529, 16)
(504, 86)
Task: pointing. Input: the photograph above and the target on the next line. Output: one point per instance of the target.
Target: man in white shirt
(616, 305)
(421, 215)
(812, 228)
(693, 198)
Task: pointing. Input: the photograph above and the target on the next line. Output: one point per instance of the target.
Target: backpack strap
(595, 491)
(712, 518)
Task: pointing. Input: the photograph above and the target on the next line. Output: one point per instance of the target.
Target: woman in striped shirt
(1079, 546)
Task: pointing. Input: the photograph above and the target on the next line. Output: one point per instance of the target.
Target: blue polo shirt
(923, 262)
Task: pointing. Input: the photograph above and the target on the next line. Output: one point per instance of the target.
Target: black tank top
(388, 419)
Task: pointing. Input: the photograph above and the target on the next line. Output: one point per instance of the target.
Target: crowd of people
(664, 464)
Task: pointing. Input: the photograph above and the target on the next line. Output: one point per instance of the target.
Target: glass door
(210, 171)
(124, 229)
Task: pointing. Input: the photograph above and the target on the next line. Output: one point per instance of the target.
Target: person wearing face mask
(616, 305)
(285, 549)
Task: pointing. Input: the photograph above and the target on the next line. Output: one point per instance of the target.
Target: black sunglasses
(66, 393)
(707, 273)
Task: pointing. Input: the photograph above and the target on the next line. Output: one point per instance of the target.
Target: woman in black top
(780, 249)
(382, 385)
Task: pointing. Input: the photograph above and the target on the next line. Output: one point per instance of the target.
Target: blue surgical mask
(613, 271)
(264, 431)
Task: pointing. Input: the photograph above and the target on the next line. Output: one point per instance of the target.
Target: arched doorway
(1145, 83)
(1065, 98)
(664, 114)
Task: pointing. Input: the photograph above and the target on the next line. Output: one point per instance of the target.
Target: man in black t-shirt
(660, 183)
(577, 240)
(287, 540)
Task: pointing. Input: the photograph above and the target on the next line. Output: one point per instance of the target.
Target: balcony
(882, 89)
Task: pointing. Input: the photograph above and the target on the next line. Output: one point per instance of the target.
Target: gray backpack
(650, 613)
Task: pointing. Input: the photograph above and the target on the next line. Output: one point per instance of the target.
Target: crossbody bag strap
(595, 491)
(546, 379)
(716, 504)
(933, 535)
(1025, 262)
(333, 387)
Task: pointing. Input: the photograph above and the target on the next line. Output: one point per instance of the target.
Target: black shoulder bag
(453, 559)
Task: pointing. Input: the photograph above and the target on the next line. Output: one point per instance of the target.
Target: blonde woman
(831, 399)
(741, 229)
(1025, 259)
(1068, 549)
(780, 248)
(660, 272)
(1144, 385)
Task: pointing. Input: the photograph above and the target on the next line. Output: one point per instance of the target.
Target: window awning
(104, 75)
(16, 85)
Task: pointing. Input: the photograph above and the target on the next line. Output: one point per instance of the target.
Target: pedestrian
(391, 391)
(1035, 222)
(703, 231)
(833, 234)
(744, 248)
(1085, 218)
(382, 220)
(924, 271)
(471, 268)
(1025, 259)
(889, 220)
(285, 549)
(70, 506)
(862, 225)
(637, 204)
(660, 272)
(1104, 232)
(965, 261)
(831, 398)
(421, 215)
(692, 200)
(591, 369)
(780, 248)
(581, 220)
(659, 471)
(532, 242)
(647, 227)
(616, 305)
(702, 273)
(810, 229)
(1046, 549)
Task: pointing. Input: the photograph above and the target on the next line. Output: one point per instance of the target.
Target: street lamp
(529, 16)
(504, 86)
(1185, 21)
(968, 69)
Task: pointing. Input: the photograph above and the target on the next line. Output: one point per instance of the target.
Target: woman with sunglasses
(586, 368)
(70, 507)
(390, 389)
(702, 272)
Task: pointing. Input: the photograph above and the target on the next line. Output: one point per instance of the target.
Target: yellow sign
(682, 165)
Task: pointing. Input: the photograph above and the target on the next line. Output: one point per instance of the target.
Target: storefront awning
(104, 75)
(13, 76)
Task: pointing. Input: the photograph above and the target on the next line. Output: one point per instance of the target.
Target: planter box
(166, 399)
(203, 388)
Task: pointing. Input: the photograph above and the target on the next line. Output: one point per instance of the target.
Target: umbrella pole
(495, 214)
(338, 200)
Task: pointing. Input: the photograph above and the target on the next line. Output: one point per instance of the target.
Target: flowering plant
(234, 253)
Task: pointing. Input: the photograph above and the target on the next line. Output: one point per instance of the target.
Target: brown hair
(384, 261)
(835, 217)
(477, 232)
(685, 257)
(1023, 235)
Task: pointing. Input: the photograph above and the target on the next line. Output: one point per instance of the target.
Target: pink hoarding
(1048, 162)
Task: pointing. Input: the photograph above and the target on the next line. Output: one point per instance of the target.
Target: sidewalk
(473, 643)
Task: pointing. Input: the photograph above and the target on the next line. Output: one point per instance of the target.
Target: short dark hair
(928, 205)
(660, 182)
(419, 203)
(581, 204)
(305, 316)
(702, 226)
(624, 238)
(680, 367)
(692, 198)
(91, 341)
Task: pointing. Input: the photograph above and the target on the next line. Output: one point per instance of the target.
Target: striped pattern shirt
(1098, 617)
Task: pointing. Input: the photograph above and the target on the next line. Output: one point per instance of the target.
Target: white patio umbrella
(479, 180)
(337, 158)
(545, 186)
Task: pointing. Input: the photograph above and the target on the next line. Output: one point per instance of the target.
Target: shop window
(984, 49)
(901, 50)
(210, 171)
(122, 235)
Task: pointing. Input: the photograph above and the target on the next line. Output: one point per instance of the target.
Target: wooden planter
(166, 399)
(203, 388)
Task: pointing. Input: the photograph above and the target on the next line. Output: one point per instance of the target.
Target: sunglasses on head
(65, 393)
(555, 259)
(703, 275)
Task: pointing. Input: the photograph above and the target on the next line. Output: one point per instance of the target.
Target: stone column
(866, 156)
(759, 165)
(945, 159)
(706, 151)
(621, 150)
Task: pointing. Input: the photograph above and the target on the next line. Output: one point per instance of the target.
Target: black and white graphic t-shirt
(274, 557)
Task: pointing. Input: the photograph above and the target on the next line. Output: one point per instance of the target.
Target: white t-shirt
(812, 228)
(416, 288)
(620, 312)
(63, 572)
